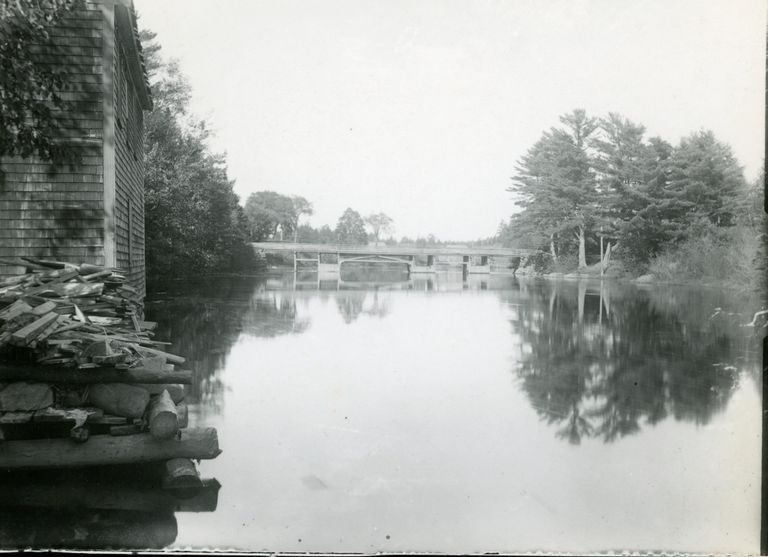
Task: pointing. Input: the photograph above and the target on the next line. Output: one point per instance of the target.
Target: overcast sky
(420, 108)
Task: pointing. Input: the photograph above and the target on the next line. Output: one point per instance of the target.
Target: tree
(193, 219)
(380, 224)
(29, 86)
(705, 182)
(556, 185)
(300, 207)
(351, 228)
(631, 178)
(267, 212)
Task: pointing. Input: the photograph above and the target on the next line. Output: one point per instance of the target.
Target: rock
(25, 397)
(119, 399)
(646, 278)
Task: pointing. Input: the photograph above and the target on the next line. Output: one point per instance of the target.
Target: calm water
(490, 415)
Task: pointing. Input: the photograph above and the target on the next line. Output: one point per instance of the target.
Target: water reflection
(110, 507)
(602, 360)
(450, 413)
(597, 360)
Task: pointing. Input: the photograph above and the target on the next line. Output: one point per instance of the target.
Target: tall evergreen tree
(556, 185)
(705, 182)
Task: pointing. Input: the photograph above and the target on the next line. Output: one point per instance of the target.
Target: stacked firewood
(77, 360)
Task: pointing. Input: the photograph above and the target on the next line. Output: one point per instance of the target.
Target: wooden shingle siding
(57, 213)
(129, 169)
(92, 212)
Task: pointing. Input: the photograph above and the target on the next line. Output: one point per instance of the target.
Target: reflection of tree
(203, 327)
(271, 315)
(600, 373)
(352, 303)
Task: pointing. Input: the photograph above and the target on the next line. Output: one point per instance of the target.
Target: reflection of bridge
(418, 260)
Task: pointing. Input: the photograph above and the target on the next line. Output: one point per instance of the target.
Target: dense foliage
(351, 228)
(596, 177)
(29, 86)
(269, 213)
(194, 223)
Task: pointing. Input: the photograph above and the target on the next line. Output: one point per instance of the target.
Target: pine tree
(556, 185)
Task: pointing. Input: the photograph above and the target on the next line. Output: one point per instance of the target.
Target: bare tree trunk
(582, 248)
(608, 251)
(552, 247)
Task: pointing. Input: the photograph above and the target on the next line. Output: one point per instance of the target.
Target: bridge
(474, 260)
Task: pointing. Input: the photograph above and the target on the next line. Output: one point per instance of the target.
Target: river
(376, 413)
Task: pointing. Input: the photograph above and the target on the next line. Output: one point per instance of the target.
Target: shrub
(728, 256)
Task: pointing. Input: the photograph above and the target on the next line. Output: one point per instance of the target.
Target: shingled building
(92, 212)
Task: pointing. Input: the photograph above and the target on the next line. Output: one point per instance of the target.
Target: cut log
(88, 269)
(105, 449)
(183, 413)
(96, 375)
(24, 335)
(79, 434)
(175, 390)
(173, 358)
(162, 418)
(181, 473)
(25, 397)
(119, 399)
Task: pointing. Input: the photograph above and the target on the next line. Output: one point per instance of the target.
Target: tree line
(274, 216)
(596, 177)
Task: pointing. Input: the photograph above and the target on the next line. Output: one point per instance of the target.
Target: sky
(421, 108)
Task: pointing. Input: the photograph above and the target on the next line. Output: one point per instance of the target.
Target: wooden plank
(106, 450)
(107, 419)
(26, 334)
(19, 307)
(16, 417)
(42, 309)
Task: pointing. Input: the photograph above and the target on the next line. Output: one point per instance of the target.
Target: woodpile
(82, 382)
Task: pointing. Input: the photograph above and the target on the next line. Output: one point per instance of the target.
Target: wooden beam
(29, 492)
(105, 450)
(24, 335)
(57, 374)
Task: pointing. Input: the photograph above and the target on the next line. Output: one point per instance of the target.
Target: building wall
(59, 213)
(129, 167)
(92, 212)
